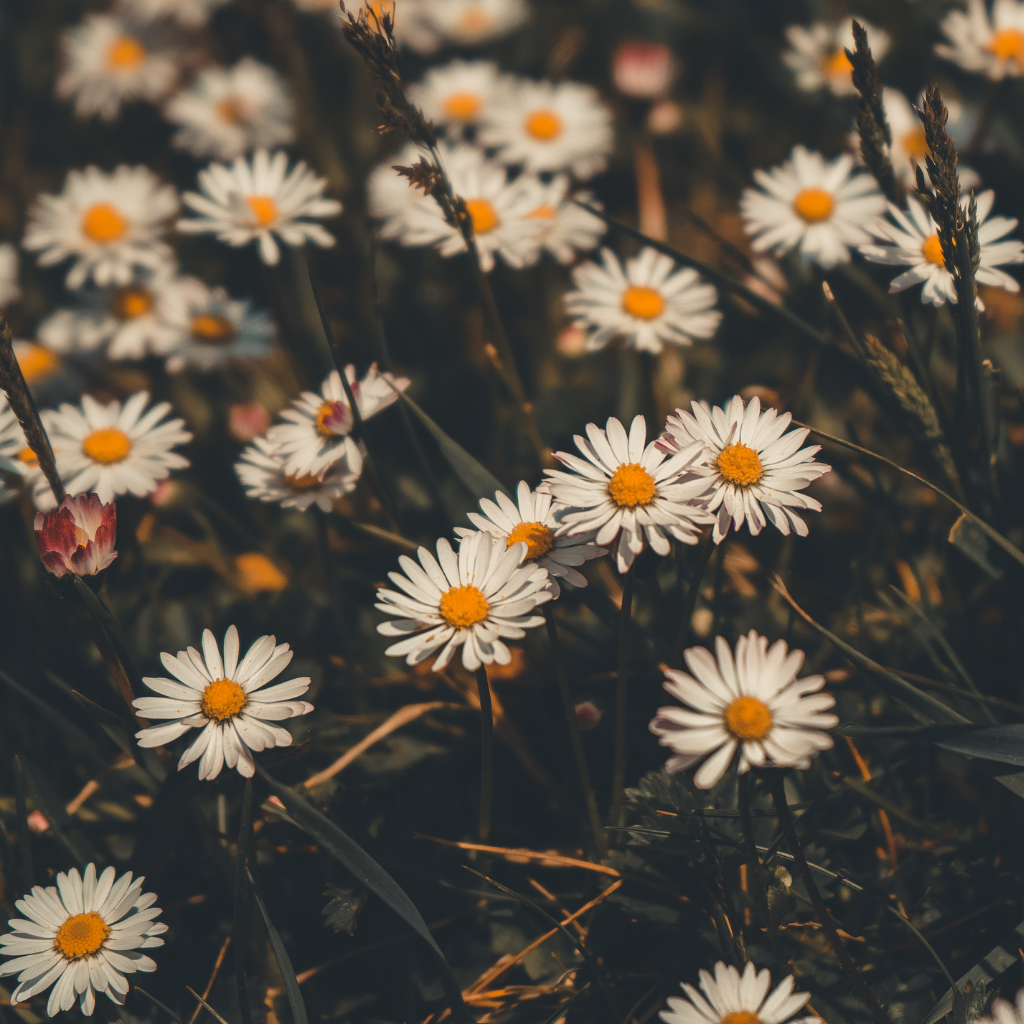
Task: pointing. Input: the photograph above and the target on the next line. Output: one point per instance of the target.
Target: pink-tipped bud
(588, 714)
(643, 70)
(77, 537)
(247, 420)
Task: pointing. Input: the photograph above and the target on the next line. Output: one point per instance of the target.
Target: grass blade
(24, 835)
(205, 1004)
(241, 877)
(291, 983)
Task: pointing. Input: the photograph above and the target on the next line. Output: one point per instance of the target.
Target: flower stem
(619, 762)
(590, 801)
(778, 784)
(241, 858)
(486, 751)
(743, 805)
(692, 592)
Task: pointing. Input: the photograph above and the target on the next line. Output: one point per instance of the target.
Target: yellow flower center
(125, 53)
(230, 111)
(331, 419)
(28, 456)
(642, 302)
(264, 209)
(1007, 44)
(543, 125)
(223, 699)
(931, 250)
(302, 481)
(475, 22)
(748, 718)
(483, 215)
(81, 936)
(258, 574)
(212, 329)
(814, 205)
(915, 144)
(130, 303)
(463, 106)
(838, 64)
(741, 1017)
(36, 362)
(107, 445)
(539, 538)
(103, 223)
(543, 212)
(740, 465)
(464, 606)
(632, 485)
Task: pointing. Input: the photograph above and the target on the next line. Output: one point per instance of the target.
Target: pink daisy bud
(77, 537)
(247, 420)
(643, 70)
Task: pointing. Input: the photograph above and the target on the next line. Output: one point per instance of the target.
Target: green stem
(486, 752)
(692, 593)
(753, 860)
(242, 855)
(619, 762)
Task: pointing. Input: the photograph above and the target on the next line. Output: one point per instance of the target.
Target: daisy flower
(566, 229)
(209, 328)
(110, 224)
(461, 22)
(911, 240)
(9, 287)
(530, 518)
(457, 93)
(113, 449)
(812, 205)
(16, 457)
(647, 302)
(261, 471)
(317, 428)
(470, 600)
(228, 111)
(754, 702)
(226, 700)
(643, 70)
(39, 365)
(550, 126)
(1005, 1012)
(254, 200)
(734, 998)
(758, 469)
(109, 60)
(625, 492)
(81, 936)
(190, 13)
(992, 44)
(817, 54)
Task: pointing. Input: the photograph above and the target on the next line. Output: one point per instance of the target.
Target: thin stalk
(589, 800)
(619, 763)
(754, 861)
(241, 876)
(692, 593)
(778, 784)
(24, 834)
(486, 751)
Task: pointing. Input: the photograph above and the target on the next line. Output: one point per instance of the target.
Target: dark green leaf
(284, 963)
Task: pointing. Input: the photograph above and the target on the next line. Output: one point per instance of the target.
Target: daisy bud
(77, 537)
(643, 70)
(247, 420)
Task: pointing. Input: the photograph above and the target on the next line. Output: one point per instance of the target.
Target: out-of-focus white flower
(990, 44)
(817, 54)
(261, 471)
(458, 93)
(430, 24)
(190, 13)
(568, 229)
(9, 287)
(643, 70)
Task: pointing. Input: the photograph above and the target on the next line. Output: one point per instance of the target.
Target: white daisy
(531, 519)
(470, 600)
(109, 60)
(990, 44)
(912, 240)
(817, 54)
(567, 229)
(9, 287)
(732, 998)
(317, 428)
(228, 111)
(16, 458)
(812, 205)
(108, 223)
(226, 700)
(458, 22)
(1005, 1012)
(758, 469)
(458, 93)
(190, 13)
(625, 492)
(550, 126)
(254, 200)
(82, 936)
(113, 449)
(39, 365)
(261, 471)
(647, 302)
(209, 328)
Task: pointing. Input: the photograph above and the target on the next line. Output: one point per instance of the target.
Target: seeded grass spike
(872, 124)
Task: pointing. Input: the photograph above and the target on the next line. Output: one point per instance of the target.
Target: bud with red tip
(643, 70)
(77, 537)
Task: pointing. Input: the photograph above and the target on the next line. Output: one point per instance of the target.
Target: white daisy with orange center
(109, 223)
(567, 229)
(189, 13)
(18, 462)
(261, 200)
(991, 44)
(476, 599)
(628, 494)
(818, 207)
(647, 301)
(463, 22)
(817, 54)
(758, 469)
(910, 238)
(82, 936)
(113, 449)
(110, 59)
(261, 471)
(224, 698)
(458, 93)
(753, 703)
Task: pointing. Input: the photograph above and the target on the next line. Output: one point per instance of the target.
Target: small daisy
(463, 22)
(108, 223)
(758, 469)
(457, 93)
(470, 600)
(82, 936)
(228, 111)
(754, 702)
(16, 458)
(647, 302)
(912, 240)
(209, 328)
(9, 287)
(109, 60)
(1005, 1012)
(254, 200)
(40, 366)
(225, 700)
(817, 54)
(568, 230)
(625, 492)
(190, 13)
(113, 449)
(812, 205)
(732, 998)
(530, 518)
(991, 44)
(261, 471)
(550, 126)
